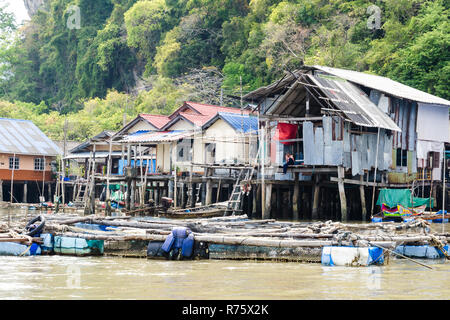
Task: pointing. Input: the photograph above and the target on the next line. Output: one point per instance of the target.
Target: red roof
(156, 120)
(198, 120)
(205, 109)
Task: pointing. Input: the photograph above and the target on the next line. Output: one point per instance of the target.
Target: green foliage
(192, 49)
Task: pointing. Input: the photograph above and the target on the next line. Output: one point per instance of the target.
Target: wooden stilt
(268, 201)
(363, 199)
(254, 200)
(343, 200)
(316, 190)
(278, 200)
(1, 190)
(208, 199)
(133, 194)
(25, 192)
(295, 210)
(128, 195)
(219, 186)
(183, 195)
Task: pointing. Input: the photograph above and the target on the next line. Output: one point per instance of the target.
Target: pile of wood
(239, 230)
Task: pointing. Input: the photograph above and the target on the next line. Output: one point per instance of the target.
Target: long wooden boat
(214, 210)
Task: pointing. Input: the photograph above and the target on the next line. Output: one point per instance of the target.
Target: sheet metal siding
(318, 146)
(308, 142)
(412, 128)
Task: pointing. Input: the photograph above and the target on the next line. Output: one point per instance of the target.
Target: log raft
(237, 237)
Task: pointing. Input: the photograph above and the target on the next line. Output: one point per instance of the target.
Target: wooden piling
(343, 200)
(208, 199)
(363, 199)
(25, 192)
(268, 201)
(295, 204)
(316, 190)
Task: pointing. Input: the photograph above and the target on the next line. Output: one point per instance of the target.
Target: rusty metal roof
(24, 137)
(353, 102)
(385, 85)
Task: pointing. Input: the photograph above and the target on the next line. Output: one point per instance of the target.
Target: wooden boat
(398, 213)
(214, 210)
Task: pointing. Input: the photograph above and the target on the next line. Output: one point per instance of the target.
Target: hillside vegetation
(150, 55)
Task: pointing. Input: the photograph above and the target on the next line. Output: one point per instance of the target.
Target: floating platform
(233, 238)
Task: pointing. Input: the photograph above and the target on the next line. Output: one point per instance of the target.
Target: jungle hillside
(86, 63)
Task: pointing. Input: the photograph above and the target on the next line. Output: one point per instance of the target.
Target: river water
(88, 278)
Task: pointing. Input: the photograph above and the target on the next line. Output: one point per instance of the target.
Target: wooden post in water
(133, 194)
(25, 192)
(208, 199)
(316, 190)
(343, 199)
(363, 198)
(108, 192)
(295, 203)
(268, 201)
(1, 190)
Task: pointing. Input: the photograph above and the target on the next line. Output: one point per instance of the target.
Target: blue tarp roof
(239, 122)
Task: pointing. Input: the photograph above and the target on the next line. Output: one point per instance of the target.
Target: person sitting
(289, 162)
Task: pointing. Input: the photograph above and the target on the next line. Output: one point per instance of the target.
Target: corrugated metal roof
(354, 103)
(24, 137)
(162, 136)
(385, 85)
(98, 154)
(240, 123)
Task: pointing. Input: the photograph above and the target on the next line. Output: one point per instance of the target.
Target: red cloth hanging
(286, 131)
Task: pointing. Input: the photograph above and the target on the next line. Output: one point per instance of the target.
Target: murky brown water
(68, 278)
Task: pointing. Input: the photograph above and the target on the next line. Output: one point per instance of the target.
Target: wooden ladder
(234, 203)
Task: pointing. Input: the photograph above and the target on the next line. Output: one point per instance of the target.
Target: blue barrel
(47, 244)
(179, 233)
(188, 246)
(154, 248)
(377, 219)
(167, 245)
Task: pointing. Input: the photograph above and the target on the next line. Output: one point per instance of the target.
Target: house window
(39, 164)
(184, 150)
(402, 158)
(13, 163)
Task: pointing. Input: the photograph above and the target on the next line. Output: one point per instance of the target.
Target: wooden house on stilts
(350, 130)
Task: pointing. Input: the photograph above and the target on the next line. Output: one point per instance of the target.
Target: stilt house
(350, 128)
(27, 161)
